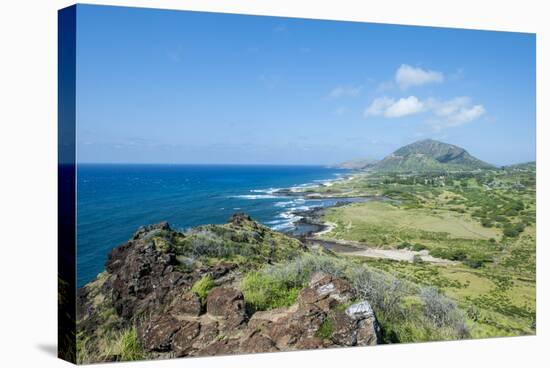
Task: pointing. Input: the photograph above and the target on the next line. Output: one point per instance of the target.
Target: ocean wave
(255, 196)
(284, 204)
(293, 202)
(266, 191)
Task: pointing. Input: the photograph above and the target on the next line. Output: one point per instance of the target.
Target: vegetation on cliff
(241, 287)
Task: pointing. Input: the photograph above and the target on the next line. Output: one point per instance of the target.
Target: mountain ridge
(429, 155)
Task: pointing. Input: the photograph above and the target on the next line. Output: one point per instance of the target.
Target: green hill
(430, 155)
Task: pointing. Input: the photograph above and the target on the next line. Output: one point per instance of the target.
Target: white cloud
(457, 111)
(446, 113)
(449, 107)
(391, 108)
(345, 91)
(465, 115)
(379, 106)
(404, 106)
(408, 76)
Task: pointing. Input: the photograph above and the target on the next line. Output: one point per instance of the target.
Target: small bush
(111, 346)
(264, 291)
(418, 247)
(438, 308)
(129, 347)
(325, 331)
(486, 222)
(203, 287)
(510, 232)
(404, 245)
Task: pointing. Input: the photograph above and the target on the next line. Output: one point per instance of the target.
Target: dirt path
(359, 249)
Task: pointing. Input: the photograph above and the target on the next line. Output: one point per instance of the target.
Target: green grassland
(484, 220)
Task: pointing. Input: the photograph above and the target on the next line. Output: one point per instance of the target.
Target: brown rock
(323, 287)
(183, 339)
(343, 329)
(225, 302)
(284, 333)
(221, 269)
(158, 333)
(310, 343)
(209, 331)
(327, 304)
(309, 296)
(188, 304)
(319, 278)
(222, 347)
(368, 332)
(257, 343)
(309, 318)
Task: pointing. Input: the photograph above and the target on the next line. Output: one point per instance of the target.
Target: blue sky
(156, 86)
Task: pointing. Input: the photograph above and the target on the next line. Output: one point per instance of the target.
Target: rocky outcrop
(298, 327)
(146, 286)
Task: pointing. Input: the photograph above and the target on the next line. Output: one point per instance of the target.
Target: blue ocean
(114, 200)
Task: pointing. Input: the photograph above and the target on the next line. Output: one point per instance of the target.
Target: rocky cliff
(167, 293)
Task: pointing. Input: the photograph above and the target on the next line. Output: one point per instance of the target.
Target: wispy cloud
(444, 113)
(392, 108)
(345, 91)
(408, 76)
(455, 112)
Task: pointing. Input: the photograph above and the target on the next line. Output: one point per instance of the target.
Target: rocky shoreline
(310, 221)
(149, 291)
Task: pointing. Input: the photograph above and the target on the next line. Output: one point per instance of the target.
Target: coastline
(307, 221)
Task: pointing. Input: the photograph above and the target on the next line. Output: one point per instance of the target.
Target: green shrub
(129, 346)
(203, 287)
(418, 247)
(110, 346)
(485, 222)
(404, 245)
(325, 331)
(264, 291)
(510, 231)
(453, 254)
(473, 263)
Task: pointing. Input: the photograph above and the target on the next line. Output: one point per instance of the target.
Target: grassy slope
(365, 220)
(496, 284)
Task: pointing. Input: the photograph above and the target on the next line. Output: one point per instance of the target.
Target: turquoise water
(114, 200)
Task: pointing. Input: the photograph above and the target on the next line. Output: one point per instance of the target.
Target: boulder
(220, 347)
(326, 291)
(158, 333)
(368, 329)
(344, 329)
(221, 269)
(310, 343)
(182, 342)
(360, 310)
(257, 343)
(188, 304)
(225, 302)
